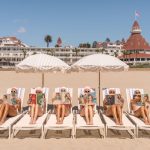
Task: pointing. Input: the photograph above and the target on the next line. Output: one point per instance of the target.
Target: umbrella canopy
(99, 62)
(41, 63)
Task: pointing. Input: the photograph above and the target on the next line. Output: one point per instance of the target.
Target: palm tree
(97, 50)
(24, 53)
(50, 51)
(115, 54)
(103, 50)
(76, 51)
(48, 39)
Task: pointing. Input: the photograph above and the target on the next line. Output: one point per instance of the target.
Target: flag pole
(135, 15)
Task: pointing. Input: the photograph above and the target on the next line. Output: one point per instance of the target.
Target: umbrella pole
(42, 79)
(99, 87)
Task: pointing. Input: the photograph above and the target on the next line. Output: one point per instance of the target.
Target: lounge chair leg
(131, 133)
(9, 132)
(137, 132)
(106, 131)
(75, 132)
(42, 134)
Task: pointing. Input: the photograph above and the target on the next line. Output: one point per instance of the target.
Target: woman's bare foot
(31, 122)
(61, 121)
(146, 122)
(117, 122)
(34, 122)
(1, 122)
(121, 123)
(91, 123)
(88, 123)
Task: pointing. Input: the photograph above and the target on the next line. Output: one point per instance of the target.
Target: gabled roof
(136, 41)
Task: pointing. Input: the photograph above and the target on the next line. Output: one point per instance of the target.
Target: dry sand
(122, 80)
(80, 144)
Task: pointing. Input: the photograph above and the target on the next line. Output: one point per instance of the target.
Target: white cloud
(21, 30)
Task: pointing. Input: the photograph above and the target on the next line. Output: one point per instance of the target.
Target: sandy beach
(92, 140)
(67, 144)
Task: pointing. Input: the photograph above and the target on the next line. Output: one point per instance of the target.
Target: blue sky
(74, 21)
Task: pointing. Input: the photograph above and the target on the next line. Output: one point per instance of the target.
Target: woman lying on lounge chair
(37, 104)
(10, 105)
(138, 107)
(113, 104)
(62, 102)
(86, 102)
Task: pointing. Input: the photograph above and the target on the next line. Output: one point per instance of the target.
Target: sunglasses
(87, 91)
(63, 90)
(13, 91)
(112, 92)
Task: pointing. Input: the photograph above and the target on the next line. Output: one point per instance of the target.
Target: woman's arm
(105, 103)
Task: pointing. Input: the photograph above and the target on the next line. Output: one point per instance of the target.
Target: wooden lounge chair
(24, 122)
(110, 123)
(97, 122)
(7, 125)
(137, 121)
(68, 123)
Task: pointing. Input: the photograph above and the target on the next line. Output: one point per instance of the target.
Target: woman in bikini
(10, 109)
(138, 108)
(111, 109)
(62, 102)
(86, 109)
(37, 109)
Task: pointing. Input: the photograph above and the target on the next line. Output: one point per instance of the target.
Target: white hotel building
(12, 51)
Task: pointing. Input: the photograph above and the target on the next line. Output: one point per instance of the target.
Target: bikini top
(14, 101)
(139, 104)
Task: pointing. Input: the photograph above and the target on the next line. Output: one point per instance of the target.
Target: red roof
(140, 55)
(135, 25)
(136, 41)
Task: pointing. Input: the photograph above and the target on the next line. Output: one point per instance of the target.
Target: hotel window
(142, 59)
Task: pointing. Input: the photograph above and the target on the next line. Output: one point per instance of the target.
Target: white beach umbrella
(98, 63)
(42, 63)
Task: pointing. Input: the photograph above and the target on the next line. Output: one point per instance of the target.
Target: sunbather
(62, 102)
(138, 108)
(112, 108)
(11, 108)
(37, 108)
(86, 109)
(147, 102)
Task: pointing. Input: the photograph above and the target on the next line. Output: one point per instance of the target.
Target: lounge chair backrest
(21, 92)
(93, 92)
(106, 91)
(129, 93)
(45, 91)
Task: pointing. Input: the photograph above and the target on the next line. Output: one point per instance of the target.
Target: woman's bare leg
(62, 113)
(119, 112)
(87, 115)
(32, 113)
(36, 113)
(147, 114)
(5, 113)
(114, 113)
(58, 114)
(1, 111)
(141, 112)
(91, 115)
